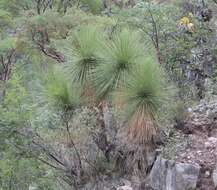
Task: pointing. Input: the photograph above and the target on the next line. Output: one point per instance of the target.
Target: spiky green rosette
(117, 60)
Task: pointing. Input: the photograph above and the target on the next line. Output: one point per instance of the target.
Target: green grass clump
(58, 91)
(117, 59)
(82, 56)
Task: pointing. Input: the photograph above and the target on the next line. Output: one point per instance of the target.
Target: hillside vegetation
(108, 94)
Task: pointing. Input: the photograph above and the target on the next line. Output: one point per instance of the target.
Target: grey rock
(214, 177)
(125, 188)
(33, 187)
(207, 173)
(169, 175)
(107, 183)
(126, 182)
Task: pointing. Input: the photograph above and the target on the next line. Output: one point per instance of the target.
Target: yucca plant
(82, 55)
(143, 95)
(58, 92)
(117, 59)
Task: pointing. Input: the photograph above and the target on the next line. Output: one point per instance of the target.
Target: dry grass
(142, 128)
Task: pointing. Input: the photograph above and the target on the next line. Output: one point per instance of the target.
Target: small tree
(7, 57)
(143, 95)
(136, 81)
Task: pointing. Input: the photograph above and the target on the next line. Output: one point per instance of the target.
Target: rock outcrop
(202, 119)
(169, 175)
(201, 129)
(125, 188)
(214, 177)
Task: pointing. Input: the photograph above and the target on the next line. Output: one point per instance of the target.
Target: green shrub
(95, 6)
